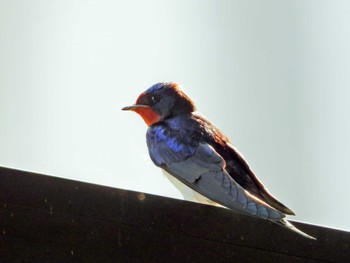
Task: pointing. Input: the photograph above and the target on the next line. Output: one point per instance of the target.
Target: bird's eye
(155, 99)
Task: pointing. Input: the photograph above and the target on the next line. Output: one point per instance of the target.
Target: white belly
(187, 193)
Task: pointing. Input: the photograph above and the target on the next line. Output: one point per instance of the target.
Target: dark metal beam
(49, 219)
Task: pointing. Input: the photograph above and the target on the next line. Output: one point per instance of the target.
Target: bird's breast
(177, 140)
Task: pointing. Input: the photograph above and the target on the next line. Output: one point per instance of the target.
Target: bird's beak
(146, 112)
(135, 106)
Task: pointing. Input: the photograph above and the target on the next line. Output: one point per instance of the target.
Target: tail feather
(285, 223)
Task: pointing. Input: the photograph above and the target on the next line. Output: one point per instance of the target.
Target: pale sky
(273, 75)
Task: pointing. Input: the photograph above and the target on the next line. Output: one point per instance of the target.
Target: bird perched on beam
(199, 159)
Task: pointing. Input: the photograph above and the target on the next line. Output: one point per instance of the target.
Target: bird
(200, 160)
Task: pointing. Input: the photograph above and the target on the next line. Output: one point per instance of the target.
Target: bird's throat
(148, 115)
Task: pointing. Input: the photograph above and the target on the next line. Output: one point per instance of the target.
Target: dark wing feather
(204, 172)
(237, 167)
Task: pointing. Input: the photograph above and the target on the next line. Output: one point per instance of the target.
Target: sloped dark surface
(48, 219)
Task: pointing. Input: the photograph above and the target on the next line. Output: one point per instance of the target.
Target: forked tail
(284, 222)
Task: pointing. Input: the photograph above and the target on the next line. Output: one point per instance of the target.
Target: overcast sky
(273, 75)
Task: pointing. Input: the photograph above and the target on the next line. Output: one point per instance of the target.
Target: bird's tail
(285, 223)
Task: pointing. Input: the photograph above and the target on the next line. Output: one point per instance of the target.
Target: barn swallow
(199, 159)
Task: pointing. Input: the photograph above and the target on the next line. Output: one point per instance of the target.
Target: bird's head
(161, 101)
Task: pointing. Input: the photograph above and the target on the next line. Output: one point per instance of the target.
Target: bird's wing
(236, 165)
(240, 171)
(204, 171)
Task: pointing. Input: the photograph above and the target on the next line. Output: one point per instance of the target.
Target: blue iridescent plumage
(172, 136)
(157, 87)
